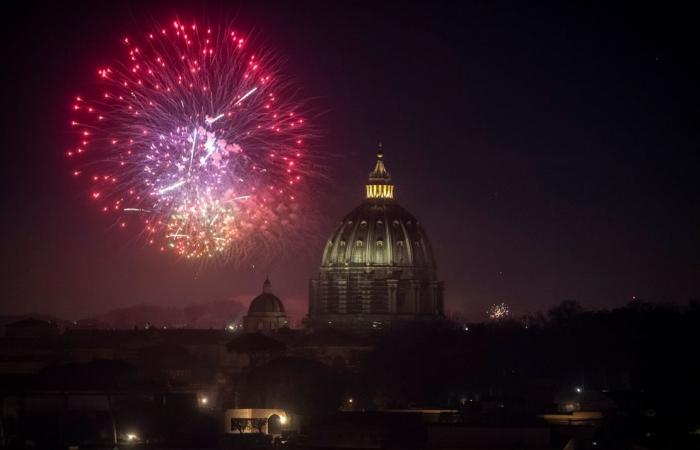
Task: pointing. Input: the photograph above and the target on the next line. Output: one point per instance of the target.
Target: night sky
(550, 151)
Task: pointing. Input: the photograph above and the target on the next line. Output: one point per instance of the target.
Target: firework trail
(200, 140)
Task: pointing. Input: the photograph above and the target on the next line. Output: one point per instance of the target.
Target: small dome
(266, 302)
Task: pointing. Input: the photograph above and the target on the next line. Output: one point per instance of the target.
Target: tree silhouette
(258, 347)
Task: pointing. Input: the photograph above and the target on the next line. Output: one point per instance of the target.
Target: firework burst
(198, 138)
(498, 311)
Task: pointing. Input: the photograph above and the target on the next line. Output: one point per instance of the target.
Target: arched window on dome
(358, 253)
(379, 230)
(379, 252)
(400, 253)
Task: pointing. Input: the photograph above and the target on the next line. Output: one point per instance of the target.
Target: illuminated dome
(266, 312)
(379, 233)
(377, 266)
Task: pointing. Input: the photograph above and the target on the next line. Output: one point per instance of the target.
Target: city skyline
(545, 151)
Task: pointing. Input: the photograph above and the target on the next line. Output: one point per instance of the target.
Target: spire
(379, 183)
(379, 173)
(267, 286)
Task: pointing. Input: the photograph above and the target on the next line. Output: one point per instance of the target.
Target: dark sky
(550, 151)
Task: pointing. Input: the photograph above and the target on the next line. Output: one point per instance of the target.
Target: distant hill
(217, 315)
(4, 320)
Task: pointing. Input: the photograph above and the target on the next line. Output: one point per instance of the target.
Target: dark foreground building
(377, 266)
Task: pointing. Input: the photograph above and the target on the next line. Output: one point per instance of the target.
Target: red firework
(199, 138)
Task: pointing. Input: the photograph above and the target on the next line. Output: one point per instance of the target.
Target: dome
(265, 313)
(377, 266)
(266, 302)
(378, 233)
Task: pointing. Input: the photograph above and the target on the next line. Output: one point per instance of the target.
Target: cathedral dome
(379, 232)
(266, 302)
(377, 266)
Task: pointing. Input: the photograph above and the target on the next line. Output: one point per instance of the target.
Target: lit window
(380, 191)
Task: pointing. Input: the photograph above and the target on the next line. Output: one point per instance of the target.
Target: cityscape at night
(350, 225)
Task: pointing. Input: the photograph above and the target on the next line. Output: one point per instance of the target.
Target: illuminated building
(266, 312)
(377, 266)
